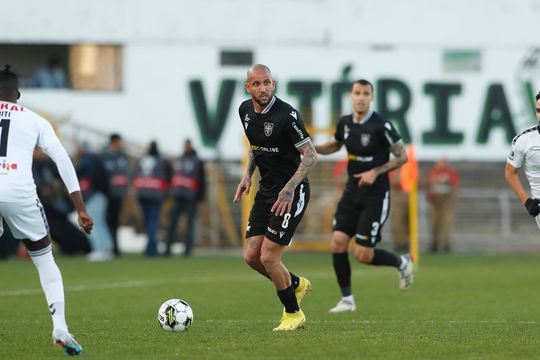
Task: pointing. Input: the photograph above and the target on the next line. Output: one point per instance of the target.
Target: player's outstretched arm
(50, 144)
(86, 223)
(245, 184)
(329, 147)
(400, 157)
(512, 178)
(285, 198)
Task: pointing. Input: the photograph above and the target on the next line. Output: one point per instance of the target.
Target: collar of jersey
(269, 106)
(364, 119)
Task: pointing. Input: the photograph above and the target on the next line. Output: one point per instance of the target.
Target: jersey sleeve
(50, 144)
(339, 134)
(240, 112)
(517, 153)
(244, 118)
(296, 130)
(390, 134)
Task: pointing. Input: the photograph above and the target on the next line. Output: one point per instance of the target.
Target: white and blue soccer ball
(175, 315)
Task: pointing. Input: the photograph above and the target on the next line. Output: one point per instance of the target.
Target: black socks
(385, 258)
(295, 280)
(342, 267)
(288, 299)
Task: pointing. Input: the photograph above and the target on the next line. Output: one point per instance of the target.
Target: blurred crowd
(113, 183)
(107, 178)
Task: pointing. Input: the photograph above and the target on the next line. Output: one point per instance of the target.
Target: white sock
(51, 282)
(349, 299)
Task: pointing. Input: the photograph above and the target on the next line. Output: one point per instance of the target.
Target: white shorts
(25, 220)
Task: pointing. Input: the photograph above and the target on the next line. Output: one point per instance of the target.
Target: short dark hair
(114, 137)
(8, 79)
(153, 148)
(364, 82)
(538, 96)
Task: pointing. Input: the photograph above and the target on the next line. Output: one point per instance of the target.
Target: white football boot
(406, 273)
(343, 305)
(65, 340)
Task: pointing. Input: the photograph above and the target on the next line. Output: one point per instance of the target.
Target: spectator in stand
(187, 188)
(94, 184)
(117, 164)
(51, 75)
(442, 191)
(57, 206)
(151, 184)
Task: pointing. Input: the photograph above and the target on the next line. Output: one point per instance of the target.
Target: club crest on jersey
(346, 132)
(268, 127)
(246, 121)
(364, 139)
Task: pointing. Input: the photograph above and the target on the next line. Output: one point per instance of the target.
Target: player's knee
(37, 245)
(251, 261)
(363, 256)
(251, 258)
(338, 246)
(268, 259)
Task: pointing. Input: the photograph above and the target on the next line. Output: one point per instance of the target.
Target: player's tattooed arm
(328, 147)
(245, 184)
(400, 158)
(367, 178)
(250, 169)
(308, 162)
(284, 201)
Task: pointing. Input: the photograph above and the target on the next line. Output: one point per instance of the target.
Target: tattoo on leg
(252, 244)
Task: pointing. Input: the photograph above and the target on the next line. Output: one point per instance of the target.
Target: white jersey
(526, 152)
(21, 131)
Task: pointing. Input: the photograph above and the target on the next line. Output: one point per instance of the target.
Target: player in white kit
(21, 131)
(526, 153)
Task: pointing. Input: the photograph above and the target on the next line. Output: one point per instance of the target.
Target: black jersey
(274, 137)
(368, 146)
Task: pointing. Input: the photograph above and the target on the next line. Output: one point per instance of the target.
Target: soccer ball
(175, 315)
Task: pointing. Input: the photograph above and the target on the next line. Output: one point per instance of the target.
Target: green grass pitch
(460, 307)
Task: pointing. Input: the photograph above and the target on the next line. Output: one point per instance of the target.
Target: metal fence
(486, 219)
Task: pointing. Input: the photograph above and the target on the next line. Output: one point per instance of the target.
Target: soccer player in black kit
(365, 204)
(282, 150)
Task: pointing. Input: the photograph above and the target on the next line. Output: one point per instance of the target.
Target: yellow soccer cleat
(291, 321)
(304, 287)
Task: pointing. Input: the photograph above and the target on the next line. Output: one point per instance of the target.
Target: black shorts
(362, 216)
(279, 229)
